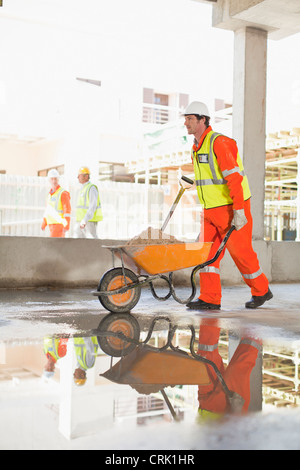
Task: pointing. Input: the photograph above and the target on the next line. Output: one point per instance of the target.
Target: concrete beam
(281, 18)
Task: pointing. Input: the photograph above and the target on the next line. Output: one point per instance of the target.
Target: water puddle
(147, 381)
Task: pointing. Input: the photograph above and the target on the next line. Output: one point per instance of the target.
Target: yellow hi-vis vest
(80, 351)
(54, 212)
(51, 347)
(83, 203)
(212, 188)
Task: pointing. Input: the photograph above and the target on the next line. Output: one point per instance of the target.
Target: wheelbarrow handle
(197, 268)
(178, 197)
(187, 180)
(220, 249)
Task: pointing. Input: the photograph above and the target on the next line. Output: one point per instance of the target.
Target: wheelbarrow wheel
(115, 279)
(118, 323)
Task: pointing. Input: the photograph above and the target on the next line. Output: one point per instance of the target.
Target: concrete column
(249, 114)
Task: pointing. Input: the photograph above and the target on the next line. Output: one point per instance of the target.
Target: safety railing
(159, 114)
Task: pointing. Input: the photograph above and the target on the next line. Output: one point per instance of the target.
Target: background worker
(58, 211)
(54, 349)
(86, 353)
(224, 193)
(88, 209)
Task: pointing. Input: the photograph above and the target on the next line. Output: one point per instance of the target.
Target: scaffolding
(282, 200)
(281, 384)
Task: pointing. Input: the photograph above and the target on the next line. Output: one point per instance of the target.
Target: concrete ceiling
(281, 18)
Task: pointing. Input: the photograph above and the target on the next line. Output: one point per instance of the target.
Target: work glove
(239, 219)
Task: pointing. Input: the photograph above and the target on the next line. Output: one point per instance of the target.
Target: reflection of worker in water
(213, 401)
(54, 349)
(58, 211)
(86, 352)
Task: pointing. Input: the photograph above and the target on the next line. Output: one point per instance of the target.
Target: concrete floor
(77, 310)
(27, 316)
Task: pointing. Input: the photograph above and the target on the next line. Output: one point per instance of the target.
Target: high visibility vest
(54, 212)
(205, 416)
(51, 346)
(80, 351)
(211, 185)
(83, 204)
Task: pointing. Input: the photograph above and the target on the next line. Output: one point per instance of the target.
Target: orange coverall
(58, 230)
(237, 374)
(217, 221)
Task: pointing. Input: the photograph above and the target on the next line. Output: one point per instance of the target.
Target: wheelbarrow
(149, 369)
(119, 289)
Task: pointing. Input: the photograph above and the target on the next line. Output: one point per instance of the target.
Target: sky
(168, 45)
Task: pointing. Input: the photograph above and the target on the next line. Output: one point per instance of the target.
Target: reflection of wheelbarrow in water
(119, 289)
(150, 369)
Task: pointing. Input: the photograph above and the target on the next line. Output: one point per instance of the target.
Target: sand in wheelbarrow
(152, 236)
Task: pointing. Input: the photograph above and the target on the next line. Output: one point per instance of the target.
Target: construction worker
(54, 349)
(213, 399)
(58, 211)
(86, 352)
(88, 210)
(224, 193)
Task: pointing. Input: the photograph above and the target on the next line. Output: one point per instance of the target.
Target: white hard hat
(53, 173)
(196, 107)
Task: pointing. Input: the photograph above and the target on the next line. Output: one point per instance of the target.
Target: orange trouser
(56, 230)
(237, 374)
(215, 224)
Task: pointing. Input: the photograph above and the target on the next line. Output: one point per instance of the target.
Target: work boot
(258, 300)
(201, 305)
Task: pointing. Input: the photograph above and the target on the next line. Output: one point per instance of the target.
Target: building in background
(100, 91)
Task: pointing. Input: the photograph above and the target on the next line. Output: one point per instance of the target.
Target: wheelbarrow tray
(146, 366)
(162, 258)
